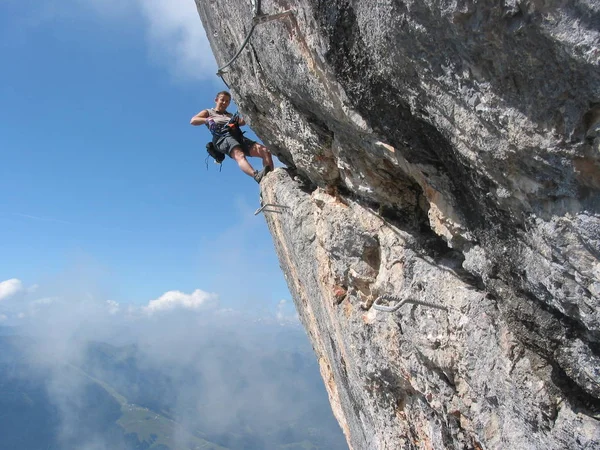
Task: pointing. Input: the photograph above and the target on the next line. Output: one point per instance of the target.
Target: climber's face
(222, 102)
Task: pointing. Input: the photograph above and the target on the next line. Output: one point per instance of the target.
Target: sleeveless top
(219, 118)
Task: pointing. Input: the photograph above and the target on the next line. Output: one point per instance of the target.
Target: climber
(228, 138)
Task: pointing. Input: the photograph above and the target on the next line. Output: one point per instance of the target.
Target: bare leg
(260, 151)
(238, 155)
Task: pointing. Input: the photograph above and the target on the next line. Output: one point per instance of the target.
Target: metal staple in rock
(401, 303)
(270, 207)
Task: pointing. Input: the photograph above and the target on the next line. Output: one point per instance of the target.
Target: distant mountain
(121, 398)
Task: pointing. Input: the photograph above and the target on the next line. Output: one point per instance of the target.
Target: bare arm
(200, 118)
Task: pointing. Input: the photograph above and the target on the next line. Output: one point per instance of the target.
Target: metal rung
(401, 303)
(270, 207)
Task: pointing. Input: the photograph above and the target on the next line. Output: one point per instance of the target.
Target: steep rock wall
(446, 152)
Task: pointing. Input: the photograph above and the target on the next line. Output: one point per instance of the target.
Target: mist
(200, 370)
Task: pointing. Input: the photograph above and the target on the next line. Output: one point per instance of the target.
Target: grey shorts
(227, 143)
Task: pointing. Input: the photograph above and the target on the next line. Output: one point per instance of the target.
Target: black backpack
(214, 154)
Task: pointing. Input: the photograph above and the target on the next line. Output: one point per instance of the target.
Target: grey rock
(448, 152)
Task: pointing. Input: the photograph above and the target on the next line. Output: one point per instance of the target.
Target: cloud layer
(246, 371)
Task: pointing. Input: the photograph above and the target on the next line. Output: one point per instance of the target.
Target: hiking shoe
(258, 176)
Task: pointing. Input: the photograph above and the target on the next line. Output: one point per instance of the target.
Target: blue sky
(103, 184)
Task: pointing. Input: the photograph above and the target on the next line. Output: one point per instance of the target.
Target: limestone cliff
(446, 153)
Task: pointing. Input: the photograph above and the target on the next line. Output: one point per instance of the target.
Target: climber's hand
(212, 126)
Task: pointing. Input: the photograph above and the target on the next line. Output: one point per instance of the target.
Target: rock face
(446, 153)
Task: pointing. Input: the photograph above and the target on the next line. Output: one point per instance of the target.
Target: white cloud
(3, 317)
(286, 312)
(172, 29)
(40, 304)
(174, 32)
(113, 307)
(177, 37)
(10, 287)
(44, 301)
(177, 299)
(280, 310)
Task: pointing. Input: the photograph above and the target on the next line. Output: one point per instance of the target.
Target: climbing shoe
(258, 176)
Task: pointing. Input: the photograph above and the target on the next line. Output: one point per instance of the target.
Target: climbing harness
(227, 127)
(232, 128)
